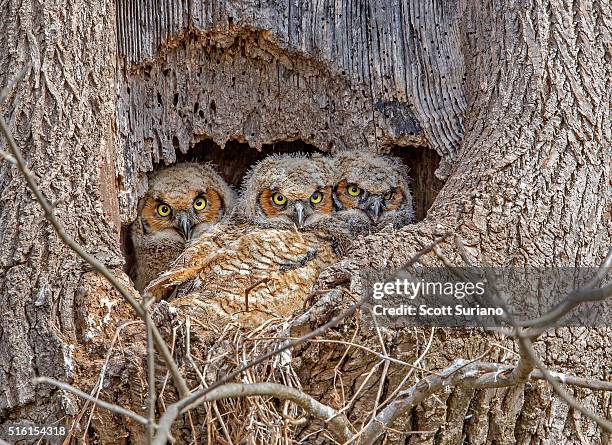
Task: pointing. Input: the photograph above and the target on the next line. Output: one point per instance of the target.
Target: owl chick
(266, 259)
(372, 189)
(287, 192)
(182, 202)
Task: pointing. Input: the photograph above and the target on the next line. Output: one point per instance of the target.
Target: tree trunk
(513, 98)
(62, 115)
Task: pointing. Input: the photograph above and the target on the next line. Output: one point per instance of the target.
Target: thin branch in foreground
(7, 89)
(529, 360)
(587, 293)
(199, 396)
(430, 248)
(567, 398)
(582, 382)
(189, 402)
(574, 299)
(90, 259)
(399, 387)
(339, 425)
(520, 373)
(150, 376)
(386, 358)
(3, 95)
(463, 373)
(102, 404)
(459, 371)
(99, 385)
(7, 157)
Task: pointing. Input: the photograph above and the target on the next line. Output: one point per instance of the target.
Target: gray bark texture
(62, 116)
(514, 98)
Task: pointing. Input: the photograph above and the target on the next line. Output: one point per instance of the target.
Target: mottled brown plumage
(372, 190)
(182, 202)
(265, 260)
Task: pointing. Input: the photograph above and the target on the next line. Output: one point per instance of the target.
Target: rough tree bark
(514, 97)
(62, 115)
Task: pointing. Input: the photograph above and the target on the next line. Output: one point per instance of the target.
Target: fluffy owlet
(265, 260)
(182, 202)
(372, 190)
(287, 192)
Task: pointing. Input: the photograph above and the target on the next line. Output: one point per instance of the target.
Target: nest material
(208, 352)
(247, 420)
(343, 378)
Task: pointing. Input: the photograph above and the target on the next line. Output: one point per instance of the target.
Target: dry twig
(473, 374)
(529, 360)
(102, 404)
(90, 259)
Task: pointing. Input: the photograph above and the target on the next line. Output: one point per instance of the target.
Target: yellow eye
(278, 199)
(388, 196)
(353, 190)
(316, 197)
(163, 210)
(199, 203)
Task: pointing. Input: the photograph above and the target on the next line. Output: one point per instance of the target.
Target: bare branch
(108, 406)
(399, 387)
(459, 371)
(339, 425)
(520, 373)
(430, 248)
(4, 155)
(528, 358)
(573, 403)
(574, 299)
(472, 374)
(90, 259)
(7, 89)
(193, 398)
(582, 382)
(151, 376)
(384, 357)
(586, 293)
(3, 95)
(199, 396)
(99, 385)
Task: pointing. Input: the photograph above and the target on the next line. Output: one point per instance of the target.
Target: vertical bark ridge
(60, 115)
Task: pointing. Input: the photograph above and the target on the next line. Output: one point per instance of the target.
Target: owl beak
(185, 226)
(374, 209)
(298, 214)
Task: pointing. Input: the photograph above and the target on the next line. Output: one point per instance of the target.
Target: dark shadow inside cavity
(232, 162)
(237, 158)
(422, 164)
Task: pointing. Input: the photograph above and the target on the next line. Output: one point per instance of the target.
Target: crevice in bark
(422, 164)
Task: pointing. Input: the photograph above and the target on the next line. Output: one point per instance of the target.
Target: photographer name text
(409, 290)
